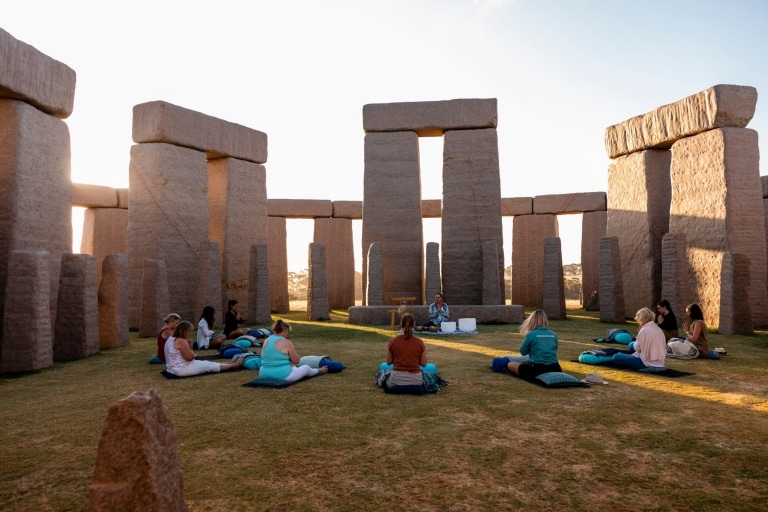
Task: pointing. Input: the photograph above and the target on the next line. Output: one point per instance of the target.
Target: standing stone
(471, 213)
(104, 232)
(237, 205)
(27, 341)
(735, 312)
(611, 284)
(718, 204)
(154, 297)
(553, 302)
(392, 211)
(167, 220)
(77, 318)
(209, 280)
(638, 215)
(317, 284)
(432, 284)
(36, 185)
(137, 463)
(528, 234)
(674, 275)
(279, 297)
(258, 287)
(336, 235)
(491, 295)
(374, 287)
(113, 302)
(593, 225)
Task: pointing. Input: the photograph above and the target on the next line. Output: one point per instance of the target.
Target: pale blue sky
(301, 71)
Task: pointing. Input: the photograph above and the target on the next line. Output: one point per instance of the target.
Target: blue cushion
(272, 382)
(333, 366)
(623, 337)
(252, 363)
(231, 352)
(244, 341)
(156, 360)
(429, 367)
(499, 364)
(593, 359)
(560, 380)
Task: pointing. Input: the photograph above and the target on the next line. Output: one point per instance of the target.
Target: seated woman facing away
(180, 359)
(650, 348)
(540, 344)
(407, 354)
(279, 359)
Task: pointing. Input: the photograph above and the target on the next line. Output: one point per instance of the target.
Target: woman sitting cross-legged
(540, 345)
(180, 359)
(650, 348)
(279, 359)
(407, 354)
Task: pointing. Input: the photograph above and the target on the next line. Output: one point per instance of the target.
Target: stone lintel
(94, 196)
(299, 208)
(123, 195)
(430, 118)
(35, 78)
(579, 202)
(160, 121)
(721, 106)
(511, 206)
(348, 210)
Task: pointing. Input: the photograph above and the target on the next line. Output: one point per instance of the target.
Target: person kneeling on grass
(650, 348)
(180, 359)
(279, 359)
(540, 344)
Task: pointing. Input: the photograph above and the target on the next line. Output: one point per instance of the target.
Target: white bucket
(448, 326)
(467, 324)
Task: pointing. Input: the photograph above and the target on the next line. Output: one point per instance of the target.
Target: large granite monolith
(392, 211)
(553, 302)
(611, 283)
(374, 286)
(593, 226)
(336, 236)
(471, 213)
(528, 234)
(113, 302)
(718, 204)
(237, 205)
(674, 275)
(258, 287)
(735, 309)
(155, 304)
(77, 320)
(638, 215)
(317, 284)
(167, 220)
(279, 298)
(491, 294)
(137, 462)
(432, 282)
(104, 232)
(209, 280)
(27, 338)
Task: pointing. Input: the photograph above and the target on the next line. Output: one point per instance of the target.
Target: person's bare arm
(183, 346)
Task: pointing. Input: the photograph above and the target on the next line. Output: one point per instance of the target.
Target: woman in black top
(666, 319)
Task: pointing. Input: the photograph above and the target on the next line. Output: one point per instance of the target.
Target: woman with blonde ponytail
(407, 353)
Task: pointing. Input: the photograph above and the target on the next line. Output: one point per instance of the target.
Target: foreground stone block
(392, 211)
(237, 205)
(593, 226)
(137, 466)
(528, 234)
(279, 298)
(258, 300)
(160, 121)
(611, 282)
(27, 342)
(336, 236)
(35, 182)
(104, 233)
(569, 203)
(553, 302)
(154, 297)
(166, 221)
(721, 106)
(113, 302)
(674, 275)
(35, 78)
(720, 210)
(430, 118)
(471, 213)
(735, 312)
(317, 284)
(299, 208)
(77, 318)
(639, 192)
(380, 315)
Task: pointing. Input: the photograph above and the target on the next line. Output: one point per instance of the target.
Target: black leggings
(529, 370)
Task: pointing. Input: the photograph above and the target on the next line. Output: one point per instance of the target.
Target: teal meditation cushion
(593, 359)
(252, 363)
(623, 337)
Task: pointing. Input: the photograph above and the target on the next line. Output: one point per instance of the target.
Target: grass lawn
(487, 441)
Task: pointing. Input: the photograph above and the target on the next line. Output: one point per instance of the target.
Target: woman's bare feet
(322, 369)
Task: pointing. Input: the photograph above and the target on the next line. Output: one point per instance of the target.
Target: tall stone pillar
(471, 213)
(735, 310)
(113, 302)
(258, 288)
(639, 194)
(374, 287)
(209, 281)
(674, 275)
(553, 302)
(528, 234)
(317, 284)
(718, 204)
(104, 233)
(432, 282)
(491, 295)
(237, 205)
(77, 320)
(593, 225)
(612, 307)
(336, 235)
(392, 211)
(279, 297)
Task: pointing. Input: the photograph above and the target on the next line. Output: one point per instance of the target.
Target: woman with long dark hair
(206, 336)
